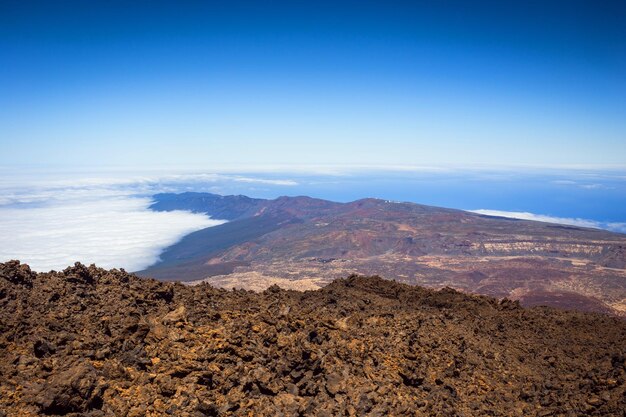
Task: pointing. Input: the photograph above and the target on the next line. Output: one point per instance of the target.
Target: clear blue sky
(205, 84)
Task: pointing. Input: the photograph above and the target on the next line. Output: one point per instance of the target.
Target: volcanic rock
(91, 342)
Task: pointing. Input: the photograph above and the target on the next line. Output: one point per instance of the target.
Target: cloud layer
(615, 227)
(112, 232)
(52, 220)
(23, 190)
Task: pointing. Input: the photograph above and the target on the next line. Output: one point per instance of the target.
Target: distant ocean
(51, 220)
(587, 198)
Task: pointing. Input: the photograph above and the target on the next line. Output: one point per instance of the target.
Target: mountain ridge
(293, 241)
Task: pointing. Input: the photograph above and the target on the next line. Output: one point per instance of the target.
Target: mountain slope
(311, 241)
(91, 342)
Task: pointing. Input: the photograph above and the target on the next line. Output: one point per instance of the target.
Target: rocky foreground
(91, 342)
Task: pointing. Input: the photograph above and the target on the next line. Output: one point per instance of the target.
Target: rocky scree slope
(92, 342)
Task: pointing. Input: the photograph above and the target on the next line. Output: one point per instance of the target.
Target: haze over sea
(104, 217)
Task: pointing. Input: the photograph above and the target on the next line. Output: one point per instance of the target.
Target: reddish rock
(111, 344)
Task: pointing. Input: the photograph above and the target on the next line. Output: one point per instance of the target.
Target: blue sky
(234, 84)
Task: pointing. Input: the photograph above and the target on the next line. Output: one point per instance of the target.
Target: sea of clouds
(51, 223)
(115, 232)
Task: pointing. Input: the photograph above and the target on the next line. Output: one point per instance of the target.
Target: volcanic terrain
(90, 342)
(305, 243)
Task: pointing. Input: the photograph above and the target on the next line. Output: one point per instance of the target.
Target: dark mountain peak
(229, 207)
(232, 207)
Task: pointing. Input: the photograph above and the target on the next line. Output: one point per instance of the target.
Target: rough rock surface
(91, 342)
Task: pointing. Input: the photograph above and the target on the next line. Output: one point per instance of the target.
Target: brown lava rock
(91, 342)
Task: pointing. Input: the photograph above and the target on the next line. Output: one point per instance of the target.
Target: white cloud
(523, 215)
(586, 186)
(616, 227)
(111, 231)
(265, 181)
(593, 186)
(52, 220)
(18, 190)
